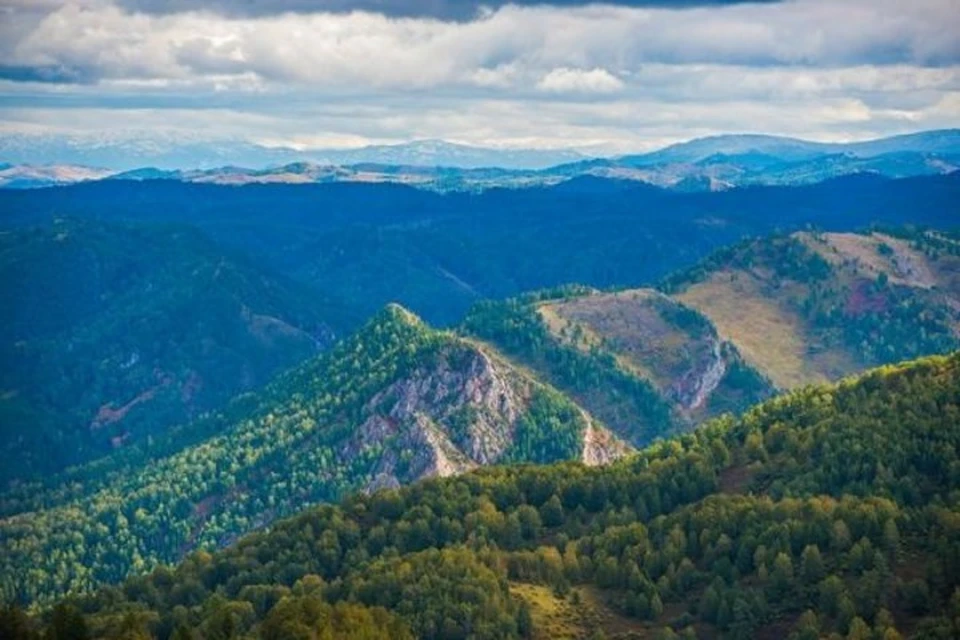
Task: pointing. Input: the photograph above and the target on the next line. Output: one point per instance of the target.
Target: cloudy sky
(621, 76)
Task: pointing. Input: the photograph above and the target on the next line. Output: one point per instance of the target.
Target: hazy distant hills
(724, 162)
(124, 154)
(705, 164)
(791, 149)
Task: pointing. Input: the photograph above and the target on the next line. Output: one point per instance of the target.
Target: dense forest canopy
(113, 333)
(394, 402)
(831, 511)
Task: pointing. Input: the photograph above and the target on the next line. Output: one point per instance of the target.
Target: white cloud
(590, 75)
(564, 79)
(371, 49)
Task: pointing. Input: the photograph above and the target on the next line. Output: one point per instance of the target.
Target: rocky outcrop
(454, 414)
(601, 447)
(693, 390)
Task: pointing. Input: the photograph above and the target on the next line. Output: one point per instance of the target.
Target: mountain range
(147, 149)
(348, 409)
(714, 163)
(136, 306)
(370, 244)
(572, 374)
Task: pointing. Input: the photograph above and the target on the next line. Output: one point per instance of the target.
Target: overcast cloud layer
(614, 77)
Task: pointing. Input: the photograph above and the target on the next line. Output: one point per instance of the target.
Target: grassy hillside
(113, 333)
(636, 359)
(663, 341)
(395, 402)
(776, 312)
(829, 512)
(816, 306)
(625, 401)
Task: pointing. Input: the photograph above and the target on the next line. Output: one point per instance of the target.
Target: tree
(840, 536)
(859, 630)
(811, 564)
(710, 604)
(832, 592)
(656, 606)
(551, 513)
(891, 537)
(67, 623)
(807, 628)
(781, 577)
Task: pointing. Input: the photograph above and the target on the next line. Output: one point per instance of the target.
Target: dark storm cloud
(441, 9)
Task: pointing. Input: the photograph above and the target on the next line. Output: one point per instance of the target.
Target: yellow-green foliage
(850, 509)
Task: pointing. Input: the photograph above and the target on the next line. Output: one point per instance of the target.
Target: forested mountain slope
(371, 244)
(769, 313)
(111, 333)
(120, 324)
(829, 512)
(395, 402)
(643, 364)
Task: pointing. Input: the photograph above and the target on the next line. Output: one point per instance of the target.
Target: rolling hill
(813, 307)
(767, 314)
(571, 373)
(113, 333)
(831, 511)
(395, 402)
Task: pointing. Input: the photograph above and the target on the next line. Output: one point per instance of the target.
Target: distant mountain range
(132, 153)
(706, 164)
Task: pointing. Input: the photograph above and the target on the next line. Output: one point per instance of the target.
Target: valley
(198, 376)
(117, 332)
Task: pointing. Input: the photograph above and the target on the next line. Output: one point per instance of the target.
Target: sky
(606, 78)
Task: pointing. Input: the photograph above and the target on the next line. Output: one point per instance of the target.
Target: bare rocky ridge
(601, 447)
(693, 390)
(454, 416)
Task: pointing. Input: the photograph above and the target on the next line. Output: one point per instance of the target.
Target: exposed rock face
(600, 447)
(455, 414)
(695, 387)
